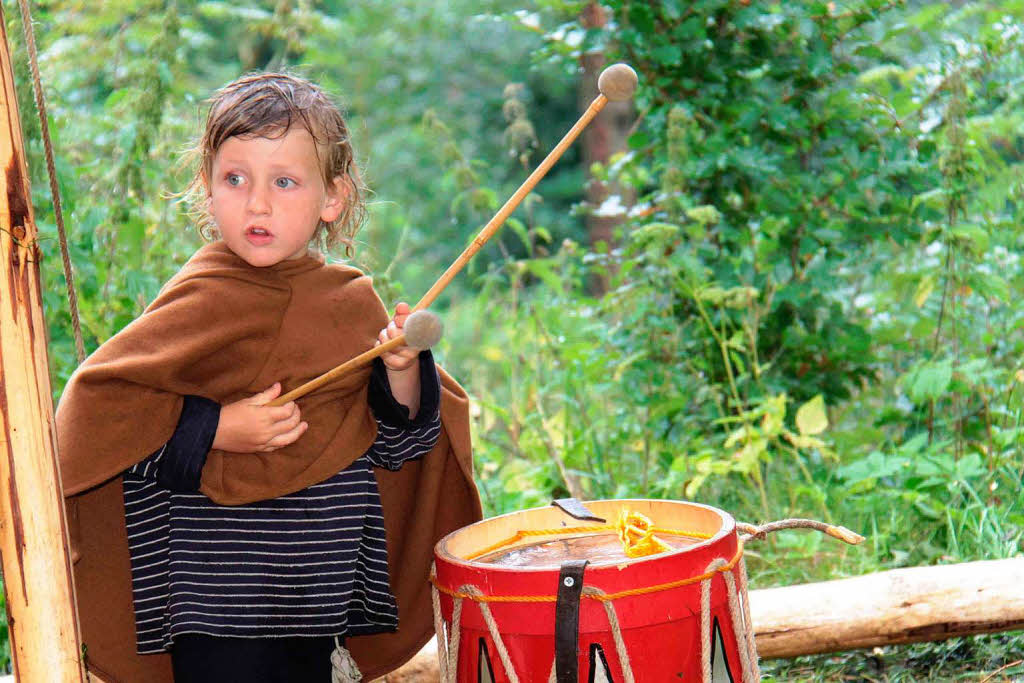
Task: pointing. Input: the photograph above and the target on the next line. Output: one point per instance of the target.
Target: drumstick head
(422, 330)
(617, 82)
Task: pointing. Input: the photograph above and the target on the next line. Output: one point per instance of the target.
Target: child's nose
(259, 201)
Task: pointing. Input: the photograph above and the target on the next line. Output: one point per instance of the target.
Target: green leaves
(929, 380)
(811, 418)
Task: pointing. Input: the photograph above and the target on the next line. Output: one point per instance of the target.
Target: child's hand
(404, 357)
(251, 426)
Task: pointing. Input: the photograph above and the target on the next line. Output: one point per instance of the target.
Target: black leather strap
(575, 508)
(567, 621)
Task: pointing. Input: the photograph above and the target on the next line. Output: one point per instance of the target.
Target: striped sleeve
(148, 468)
(395, 446)
(399, 438)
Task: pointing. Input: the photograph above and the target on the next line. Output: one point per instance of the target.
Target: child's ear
(338, 192)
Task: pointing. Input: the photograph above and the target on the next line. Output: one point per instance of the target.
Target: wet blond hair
(268, 105)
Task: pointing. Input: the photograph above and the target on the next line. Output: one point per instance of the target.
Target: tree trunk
(605, 136)
(42, 622)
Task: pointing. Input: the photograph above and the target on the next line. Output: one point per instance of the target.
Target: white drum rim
(444, 552)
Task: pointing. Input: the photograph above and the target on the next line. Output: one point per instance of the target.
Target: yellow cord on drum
(636, 531)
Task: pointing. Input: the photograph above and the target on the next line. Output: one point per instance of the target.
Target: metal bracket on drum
(576, 509)
(567, 621)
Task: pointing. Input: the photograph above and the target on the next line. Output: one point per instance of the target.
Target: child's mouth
(258, 235)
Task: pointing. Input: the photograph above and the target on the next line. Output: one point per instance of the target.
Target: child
(241, 538)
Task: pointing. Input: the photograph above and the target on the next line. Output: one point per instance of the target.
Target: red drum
(680, 615)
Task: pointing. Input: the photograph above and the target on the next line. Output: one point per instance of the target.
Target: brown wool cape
(225, 330)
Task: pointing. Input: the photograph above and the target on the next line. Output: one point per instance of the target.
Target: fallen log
(887, 608)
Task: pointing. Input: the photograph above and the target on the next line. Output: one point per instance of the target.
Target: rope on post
(51, 168)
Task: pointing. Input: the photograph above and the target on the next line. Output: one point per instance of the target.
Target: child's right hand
(251, 426)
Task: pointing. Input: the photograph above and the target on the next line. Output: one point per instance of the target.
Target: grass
(990, 658)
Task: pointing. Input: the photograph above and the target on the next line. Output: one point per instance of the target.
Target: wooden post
(42, 620)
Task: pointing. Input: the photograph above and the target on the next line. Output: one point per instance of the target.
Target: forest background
(792, 293)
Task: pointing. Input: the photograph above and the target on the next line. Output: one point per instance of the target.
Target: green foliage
(825, 224)
(809, 309)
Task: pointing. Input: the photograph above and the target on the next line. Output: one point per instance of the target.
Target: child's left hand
(403, 357)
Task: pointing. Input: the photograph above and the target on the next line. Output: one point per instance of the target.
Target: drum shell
(661, 629)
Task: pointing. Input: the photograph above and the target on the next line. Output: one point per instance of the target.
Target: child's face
(267, 196)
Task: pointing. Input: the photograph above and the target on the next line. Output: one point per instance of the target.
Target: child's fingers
(285, 412)
(402, 311)
(287, 422)
(267, 395)
(401, 359)
(405, 351)
(389, 332)
(291, 436)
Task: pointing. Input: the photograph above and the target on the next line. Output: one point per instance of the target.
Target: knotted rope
(636, 532)
(343, 666)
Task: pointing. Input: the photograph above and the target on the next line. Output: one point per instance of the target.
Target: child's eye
(233, 179)
(284, 182)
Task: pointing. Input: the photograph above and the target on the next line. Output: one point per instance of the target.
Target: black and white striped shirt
(311, 563)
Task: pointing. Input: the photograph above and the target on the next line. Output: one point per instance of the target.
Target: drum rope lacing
(448, 647)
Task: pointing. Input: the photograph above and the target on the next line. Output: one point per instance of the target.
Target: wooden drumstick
(422, 330)
(616, 83)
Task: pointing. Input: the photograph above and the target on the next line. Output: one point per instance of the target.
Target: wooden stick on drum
(616, 83)
(421, 331)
